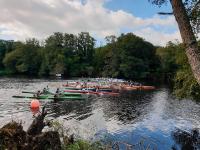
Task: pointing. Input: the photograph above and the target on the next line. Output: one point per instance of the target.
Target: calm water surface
(153, 117)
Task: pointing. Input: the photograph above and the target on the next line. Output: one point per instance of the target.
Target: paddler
(84, 85)
(56, 97)
(57, 91)
(37, 94)
(44, 91)
(97, 88)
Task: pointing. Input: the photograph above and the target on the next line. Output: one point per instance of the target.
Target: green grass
(84, 145)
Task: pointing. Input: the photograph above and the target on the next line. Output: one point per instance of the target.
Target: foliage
(167, 56)
(24, 58)
(65, 54)
(176, 69)
(84, 145)
(185, 84)
(127, 56)
(5, 47)
(79, 144)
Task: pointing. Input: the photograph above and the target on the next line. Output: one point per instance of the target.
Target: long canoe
(138, 87)
(81, 91)
(89, 89)
(39, 97)
(92, 92)
(51, 97)
(76, 88)
(63, 93)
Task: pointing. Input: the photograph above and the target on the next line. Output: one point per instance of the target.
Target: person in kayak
(44, 91)
(37, 94)
(56, 96)
(47, 88)
(97, 88)
(57, 91)
(84, 84)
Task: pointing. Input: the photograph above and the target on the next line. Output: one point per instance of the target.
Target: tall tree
(127, 56)
(187, 13)
(24, 58)
(85, 44)
(5, 47)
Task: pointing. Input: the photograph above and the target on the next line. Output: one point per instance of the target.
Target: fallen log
(38, 124)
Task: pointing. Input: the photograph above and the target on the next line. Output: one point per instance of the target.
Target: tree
(5, 47)
(167, 56)
(185, 16)
(24, 58)
(127, 56)
(85, 45)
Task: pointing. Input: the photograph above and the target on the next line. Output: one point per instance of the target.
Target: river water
(151, 117)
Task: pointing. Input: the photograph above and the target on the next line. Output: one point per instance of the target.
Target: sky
(22, 19)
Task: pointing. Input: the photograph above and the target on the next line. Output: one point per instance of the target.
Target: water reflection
(66, 107)
(153, 115)
(127, 108)
(186, 140)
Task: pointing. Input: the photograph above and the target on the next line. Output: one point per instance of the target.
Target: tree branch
(165, 13)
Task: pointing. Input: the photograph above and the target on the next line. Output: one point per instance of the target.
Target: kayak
(108, 93)
(89, 89)
(40, 97)
(105, 90)
(51, 97)
(67, 98)
(92, 92)
(138, 87)
(75, 88)
(63, 93)
(81, 91)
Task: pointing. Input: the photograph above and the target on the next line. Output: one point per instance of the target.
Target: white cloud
(158, 37)
(21, 19)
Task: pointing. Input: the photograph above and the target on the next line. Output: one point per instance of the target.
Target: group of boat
(112, 87)
(77, 89)
(46, 94)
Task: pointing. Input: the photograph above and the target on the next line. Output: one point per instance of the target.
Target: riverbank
(12, 136)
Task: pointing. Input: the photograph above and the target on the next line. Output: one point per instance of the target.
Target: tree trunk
(188, 37)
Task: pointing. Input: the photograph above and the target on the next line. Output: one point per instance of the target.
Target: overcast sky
(22, 19)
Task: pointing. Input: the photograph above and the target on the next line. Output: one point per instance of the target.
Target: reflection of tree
(187, 140)
(125, 108)
(128, 107)
(78, 108)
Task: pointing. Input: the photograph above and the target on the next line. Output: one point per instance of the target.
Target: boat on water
(46, 94)
(142, 87)
(50, 93)
(51, 97)
(107, 86)
(93, 92)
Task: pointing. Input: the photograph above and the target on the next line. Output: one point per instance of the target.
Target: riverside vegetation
(127, 56)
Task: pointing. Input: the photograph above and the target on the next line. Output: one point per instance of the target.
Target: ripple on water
(132, 116)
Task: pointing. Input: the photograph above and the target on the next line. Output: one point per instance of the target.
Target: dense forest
(127, 56)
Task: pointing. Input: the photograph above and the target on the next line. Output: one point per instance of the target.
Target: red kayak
(92, 92)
